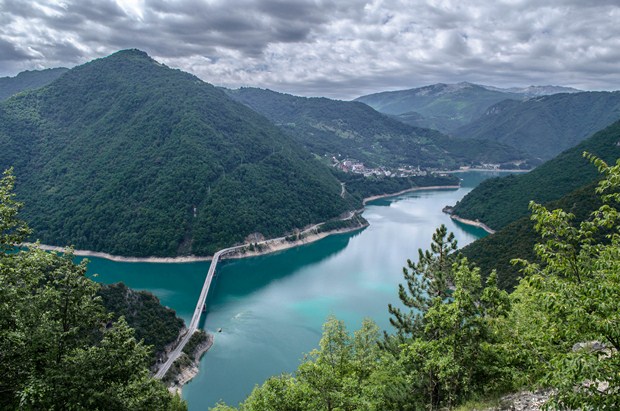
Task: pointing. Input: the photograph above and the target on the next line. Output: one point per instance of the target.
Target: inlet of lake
(271, 308)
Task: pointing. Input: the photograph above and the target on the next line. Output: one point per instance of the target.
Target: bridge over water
(193, 325)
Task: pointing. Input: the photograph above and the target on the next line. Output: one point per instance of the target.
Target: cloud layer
(334, 48)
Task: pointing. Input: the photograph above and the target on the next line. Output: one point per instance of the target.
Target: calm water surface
(271, 308)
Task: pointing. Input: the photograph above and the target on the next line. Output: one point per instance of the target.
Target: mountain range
(545, 126)
(446, 107)
(128, 156)
(540, 121)
(354, 130)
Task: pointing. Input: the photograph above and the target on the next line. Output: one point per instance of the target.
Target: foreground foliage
(58, 348)
(460, 340)
(153, 323)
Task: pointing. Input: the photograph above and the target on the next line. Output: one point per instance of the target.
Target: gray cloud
(335, 48)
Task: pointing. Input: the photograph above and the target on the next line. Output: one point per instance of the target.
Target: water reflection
(271, 308)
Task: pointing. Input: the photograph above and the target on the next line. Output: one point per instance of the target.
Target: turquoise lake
(271, 308)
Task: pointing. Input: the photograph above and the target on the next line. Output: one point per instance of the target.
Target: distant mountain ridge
(355, 130)
(545, 126)
(28, 80)
(446, 107)
(127, 156)
(535, 91)
(443, 107)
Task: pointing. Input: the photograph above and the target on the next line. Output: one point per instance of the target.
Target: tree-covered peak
(125, 155)
(131, 53)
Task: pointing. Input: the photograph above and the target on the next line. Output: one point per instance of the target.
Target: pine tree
(428, 279)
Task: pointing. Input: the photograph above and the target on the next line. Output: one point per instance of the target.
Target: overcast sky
(334, 48)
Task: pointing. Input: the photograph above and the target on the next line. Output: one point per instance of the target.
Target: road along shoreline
(264, 247)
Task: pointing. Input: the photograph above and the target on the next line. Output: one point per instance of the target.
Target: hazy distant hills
(28, 80)
(535, 91)
(353, 129)
(128, 156)
(446, 107)
(545, 126)
(443, 107)
(500, 201)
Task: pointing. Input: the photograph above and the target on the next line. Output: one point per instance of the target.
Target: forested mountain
(352, 129)
(545, 126)
(499, 201)
(28, 80)
(443, 107)
(128, 156)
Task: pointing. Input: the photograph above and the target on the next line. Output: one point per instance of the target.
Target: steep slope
(500, 201)
(545, 126)
(352, 129)
(28, 80)
(128, 156)
(518, 238)
(444, 107)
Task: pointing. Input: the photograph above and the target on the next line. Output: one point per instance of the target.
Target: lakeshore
(189, 371)
(307, 235)
(269, 246)
(516, 170)
(271, 308)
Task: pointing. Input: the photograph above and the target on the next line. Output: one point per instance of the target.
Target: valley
(315, 205)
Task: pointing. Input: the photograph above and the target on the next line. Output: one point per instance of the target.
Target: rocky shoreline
(175, 380)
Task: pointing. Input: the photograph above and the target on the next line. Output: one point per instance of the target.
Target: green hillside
(443, 107)
(518, 238)
(28, 80)
(128, 156)
(500, 201)
(545, 126)
(331, 127)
